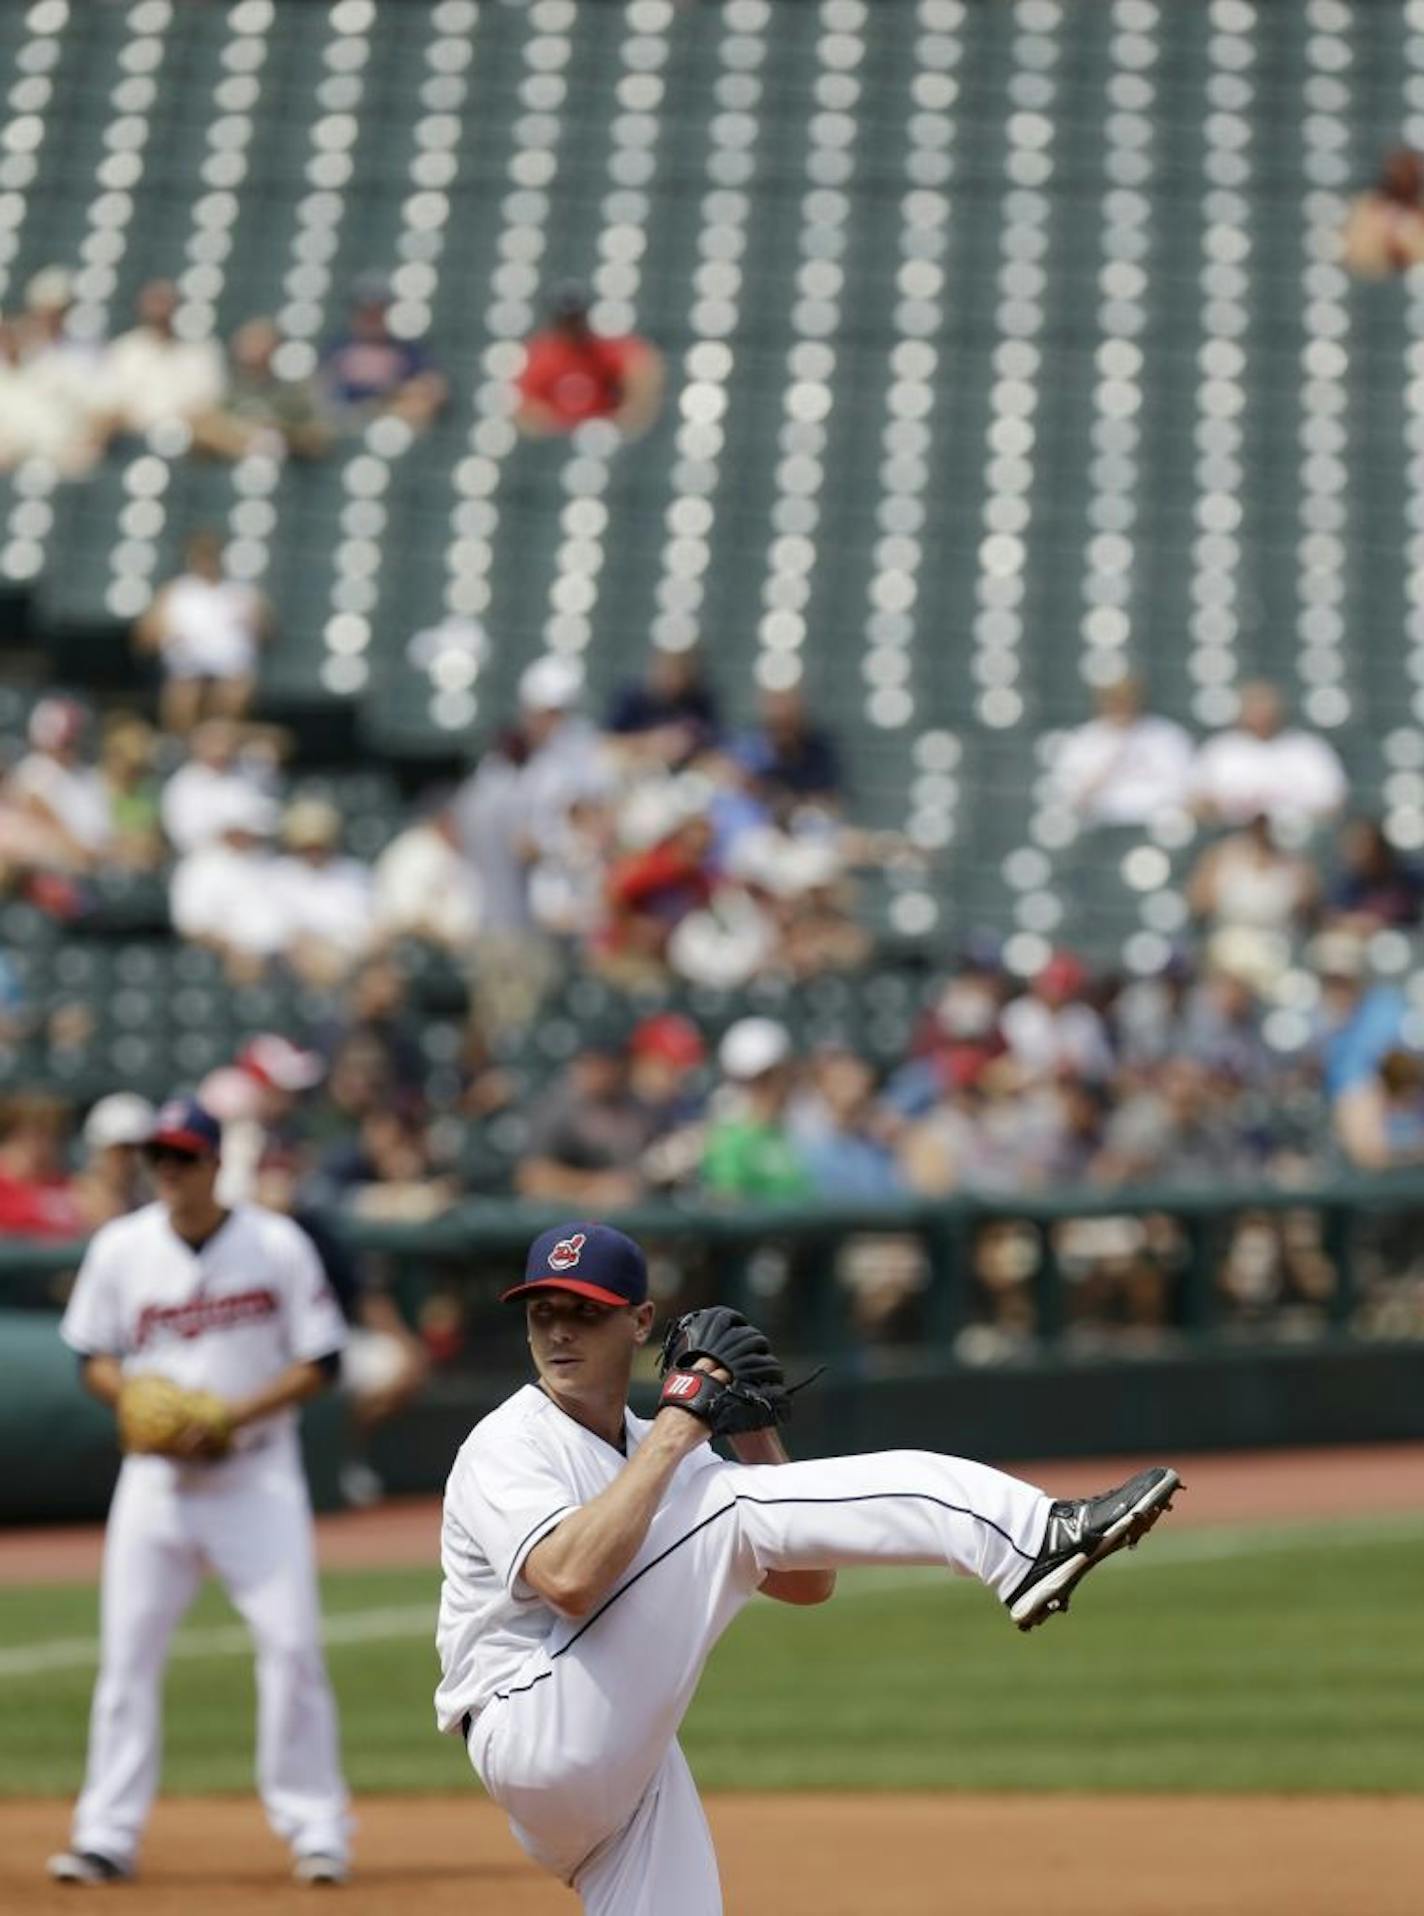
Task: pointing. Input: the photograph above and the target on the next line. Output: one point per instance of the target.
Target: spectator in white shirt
(1052, 1031)
(1124, 767)
(58, 787)
(327, 898)
(206, 631)
(151, 376)
(424, 886)
(215, 782)
(1261, 768)
(226, 894)
(62, 375)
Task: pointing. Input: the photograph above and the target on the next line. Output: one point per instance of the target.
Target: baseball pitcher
(592, 1559)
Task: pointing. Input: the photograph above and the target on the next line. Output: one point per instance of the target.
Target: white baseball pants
(248, 1519)
(580, 1750)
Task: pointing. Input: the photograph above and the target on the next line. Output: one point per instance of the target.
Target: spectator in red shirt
(649, 892)
(37, 1195)
(572, 374)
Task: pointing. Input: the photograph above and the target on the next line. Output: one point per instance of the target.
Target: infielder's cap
(592, 1260)
(185, 1125)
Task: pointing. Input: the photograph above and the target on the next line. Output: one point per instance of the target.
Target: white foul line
(395, 1622)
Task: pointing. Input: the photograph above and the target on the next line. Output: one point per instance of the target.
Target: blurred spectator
(572, 374)
(361, 1080)
(750, 1153)
(216, 778)
(665, 1058)
(1124, 767)
(388, 1171)
(258, 1099)
(112, 1181)
(842, 1136)
(1384, 1128)
(206, 631)
(1180, 1126)
(513, 811)
(225, 894)
(587, 1135)
(568, 879)
(1246, 879)
(1261, 767)
(818, 931)
(12, 1001)
(153, 377)
(1358, 1023)
(37, 1195)
(423, 887)
(46, 383)
(260, 411)
(650, 891)
(1374, 888)
(794, 759)
(957, 1039)
(1051, 1028)
(376, 1007)
(670, 713)
(729, 941)
(368, 370)
(1384, 231)
(126, 758)
(326, 898)
(60, 789)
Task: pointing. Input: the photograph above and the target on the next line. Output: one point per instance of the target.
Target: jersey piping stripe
(865, 1497)
(525, 1542)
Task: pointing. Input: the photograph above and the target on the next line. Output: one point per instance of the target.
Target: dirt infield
(807, 1856)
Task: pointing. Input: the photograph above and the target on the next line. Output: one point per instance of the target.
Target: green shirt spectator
(748, 1159)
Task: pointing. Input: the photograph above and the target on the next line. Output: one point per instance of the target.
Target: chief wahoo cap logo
(565, 1253)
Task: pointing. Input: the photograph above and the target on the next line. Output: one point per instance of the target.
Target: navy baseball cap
(183, 1124)
(592, 1260)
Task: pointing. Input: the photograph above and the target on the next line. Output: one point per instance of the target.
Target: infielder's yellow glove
(158, 1416)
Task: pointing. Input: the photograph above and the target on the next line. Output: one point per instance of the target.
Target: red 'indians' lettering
(205, 1314)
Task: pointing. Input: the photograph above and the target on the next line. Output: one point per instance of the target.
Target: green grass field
(1284, 1659)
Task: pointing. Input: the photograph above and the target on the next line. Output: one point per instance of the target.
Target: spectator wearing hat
(369, 370)
(226, 894)
(206, 631)
(216, 778)
(1125, 766)
(111, 1182)
(750, 1153)
(152, 377)
(38, 1198)
(666, 1054)
(1262, 766)
(61, 790)
(572, 374)
(588, 1135)
(1052, 1030)
(327, 898)
(261, 411)
(422, 887)
(669, 714)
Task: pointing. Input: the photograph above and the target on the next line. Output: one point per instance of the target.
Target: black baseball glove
(755, 1399)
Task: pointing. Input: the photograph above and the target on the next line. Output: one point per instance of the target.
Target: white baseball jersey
(519, 1473)
(227, 1317)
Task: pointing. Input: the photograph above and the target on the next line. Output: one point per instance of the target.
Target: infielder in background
(205, 1328)
(592, 1559)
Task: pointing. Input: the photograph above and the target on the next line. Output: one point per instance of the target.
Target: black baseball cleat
(86, 1866)
(1081, 1532)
